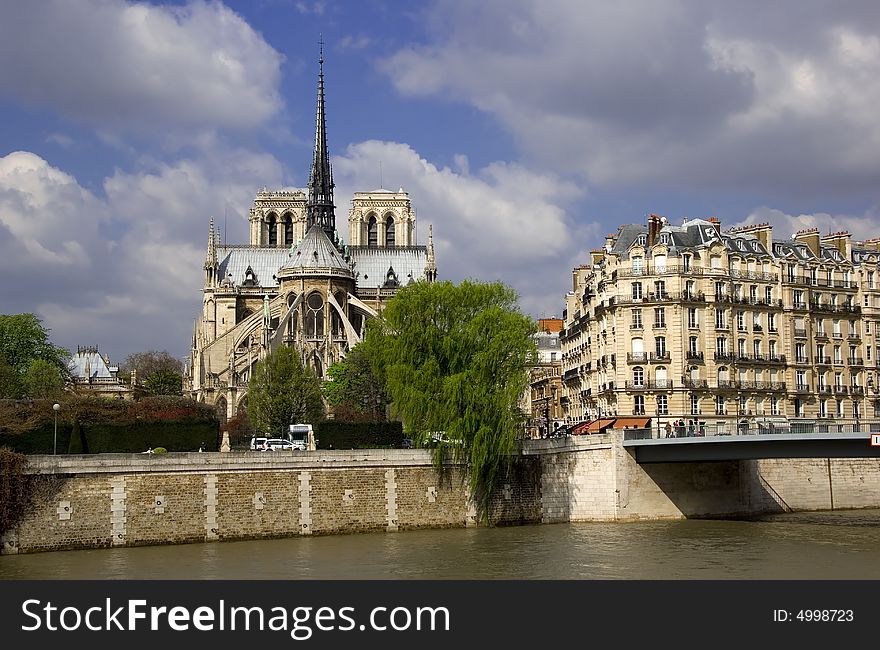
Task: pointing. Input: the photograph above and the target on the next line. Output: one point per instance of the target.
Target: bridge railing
(734, 429)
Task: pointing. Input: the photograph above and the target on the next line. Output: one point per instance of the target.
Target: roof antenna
(381, 186)
(225, 210)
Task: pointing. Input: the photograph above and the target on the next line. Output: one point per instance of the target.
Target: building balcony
(800, 306)
(800, 332)
(570, 375)
(637, 357)
(820, 334)
(834, 309)
(825, 390)
(688, 382)
(724, 356)
(802, 360)
(694, 355)
(802, 388)
(856, 361)
(754, 275)
(840, 390)
(857, 390)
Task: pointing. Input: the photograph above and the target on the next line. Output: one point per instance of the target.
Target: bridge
(748, 446)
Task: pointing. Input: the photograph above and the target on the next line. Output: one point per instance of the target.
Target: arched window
(288, 230)
(389, 230)
(273, 231)
(638, 376)
(314, 316)
(372, 232)
(294, 321)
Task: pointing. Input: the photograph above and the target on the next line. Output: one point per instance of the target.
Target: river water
(826, 545)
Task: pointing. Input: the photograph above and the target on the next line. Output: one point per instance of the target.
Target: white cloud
(138, 67)
(502, 223)
(860, 226)
(124, 270)
(64, 141)
(359, 42)
(707, 96)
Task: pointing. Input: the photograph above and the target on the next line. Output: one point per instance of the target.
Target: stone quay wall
(102, 501)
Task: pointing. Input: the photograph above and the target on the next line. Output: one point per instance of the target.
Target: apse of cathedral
(299, 282)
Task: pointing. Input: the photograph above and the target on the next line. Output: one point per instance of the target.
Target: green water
(827, 545)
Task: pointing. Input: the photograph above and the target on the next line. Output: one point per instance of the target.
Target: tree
(149, 362)
(453, 361)
(23, 340)
(282, 391)
(354, 388)
(163, 382)
(42, 380)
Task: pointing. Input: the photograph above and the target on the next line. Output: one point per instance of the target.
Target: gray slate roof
(316, 251)
(372, 264)
(88, 364)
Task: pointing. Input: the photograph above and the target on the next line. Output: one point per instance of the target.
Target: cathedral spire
(319, 209)
(430, 260)
(211, 257)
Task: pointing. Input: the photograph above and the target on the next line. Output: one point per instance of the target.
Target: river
(826, 545)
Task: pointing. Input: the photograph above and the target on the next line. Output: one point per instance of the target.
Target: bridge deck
(750, 447)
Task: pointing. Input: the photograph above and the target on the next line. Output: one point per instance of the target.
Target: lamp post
(55, 407)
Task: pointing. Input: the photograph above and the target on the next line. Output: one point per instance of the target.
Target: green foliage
(42, 380)
(160, 450)
(163, 382)
(23, 340)
(13, 488)
(88, 424)
(453, 359)
(282, 391)
(10, 382)
(149, 362)
(354, 389)
(332, 434)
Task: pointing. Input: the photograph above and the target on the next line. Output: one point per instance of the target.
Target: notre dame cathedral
(298, 282)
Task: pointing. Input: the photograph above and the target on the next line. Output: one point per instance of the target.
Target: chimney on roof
(715, 221)
(842, 241)
(597, 255)
(873, 243)
(810, 237)
(654, 225)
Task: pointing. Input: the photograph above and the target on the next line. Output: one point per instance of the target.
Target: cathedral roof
(315, 253)
(372, 264)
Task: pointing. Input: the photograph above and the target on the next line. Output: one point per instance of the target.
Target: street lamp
(56, 407)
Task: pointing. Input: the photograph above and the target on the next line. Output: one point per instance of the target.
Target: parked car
(258, 444)
(274, 444)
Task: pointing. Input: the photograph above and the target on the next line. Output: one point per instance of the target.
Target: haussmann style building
(298, 282)
(684, 329)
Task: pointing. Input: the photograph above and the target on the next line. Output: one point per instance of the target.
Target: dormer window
(641, 240)
(664, 238)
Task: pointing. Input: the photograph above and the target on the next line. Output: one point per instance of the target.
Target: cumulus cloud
(503, 222)
(137, 67)
(123, 270)
(861, 226)
(703, 95)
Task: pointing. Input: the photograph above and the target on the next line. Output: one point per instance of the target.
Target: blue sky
(524, 131)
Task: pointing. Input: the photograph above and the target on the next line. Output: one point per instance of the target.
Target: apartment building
(700, 329)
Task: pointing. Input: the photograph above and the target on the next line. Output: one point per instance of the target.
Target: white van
(302, 436)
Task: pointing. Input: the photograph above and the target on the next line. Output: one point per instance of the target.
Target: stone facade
(724, 330)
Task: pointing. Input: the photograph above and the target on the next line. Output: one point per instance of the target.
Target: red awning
(593, 426)
(631, 423)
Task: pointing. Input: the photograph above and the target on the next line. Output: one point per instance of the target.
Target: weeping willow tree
(452, 358)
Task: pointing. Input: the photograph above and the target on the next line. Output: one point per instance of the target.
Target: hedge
(93, 425)
(332, 434)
